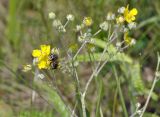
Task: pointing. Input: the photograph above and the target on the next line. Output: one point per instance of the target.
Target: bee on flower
(43, 57)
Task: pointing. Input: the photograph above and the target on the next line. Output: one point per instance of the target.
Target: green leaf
(111, 54)
(100, 88)
(97, 57)
(13, 26)
(53, 97)
(136, 78)
(98, 42)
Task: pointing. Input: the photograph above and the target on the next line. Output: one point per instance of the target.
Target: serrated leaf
(110, 55)
(97, 57)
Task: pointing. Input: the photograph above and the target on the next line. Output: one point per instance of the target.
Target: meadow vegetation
(75, 58)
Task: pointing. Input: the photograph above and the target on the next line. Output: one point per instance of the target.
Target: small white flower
(139, 112)
(104, 26)
(70, 17)
(132, 25)
(52, 15)
(27, 68)
(41, 76)
(55, 51)
(118, 44)
(81, 38)
(61, 28)
(133, 42)
(110, 16)
(138, 105)
(121, 10)
(78, 27)
(57, 23)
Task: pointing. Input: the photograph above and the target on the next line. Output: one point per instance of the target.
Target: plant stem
(152, 88)
(114, 103)
(34, 80)
(66, 23)
(83, 105)
(79, 50)
(97, 32)
(95, 73)
(120, 93)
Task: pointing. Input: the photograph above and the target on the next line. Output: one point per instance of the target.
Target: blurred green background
(24, 25)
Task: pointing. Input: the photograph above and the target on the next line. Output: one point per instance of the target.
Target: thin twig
(152, 88)
(66, 23)
(97, 32)
(79, 50)
(73, 111)
(92, 76)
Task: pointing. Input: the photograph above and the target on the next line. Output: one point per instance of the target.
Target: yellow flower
(87, 21)
(42, 56)
(129, 15)
(127, 39)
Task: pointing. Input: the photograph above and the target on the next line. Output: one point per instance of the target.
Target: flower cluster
(126, 14)
(124, 21)
(126, 18)
(58, 24)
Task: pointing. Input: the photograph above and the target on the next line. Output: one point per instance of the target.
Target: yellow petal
(36, 53)
(134, 11)
(127, 39)
(129, 20)
(126, 11)
(42, 65)
(133, 18)
(45, 49)
(48, 49)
